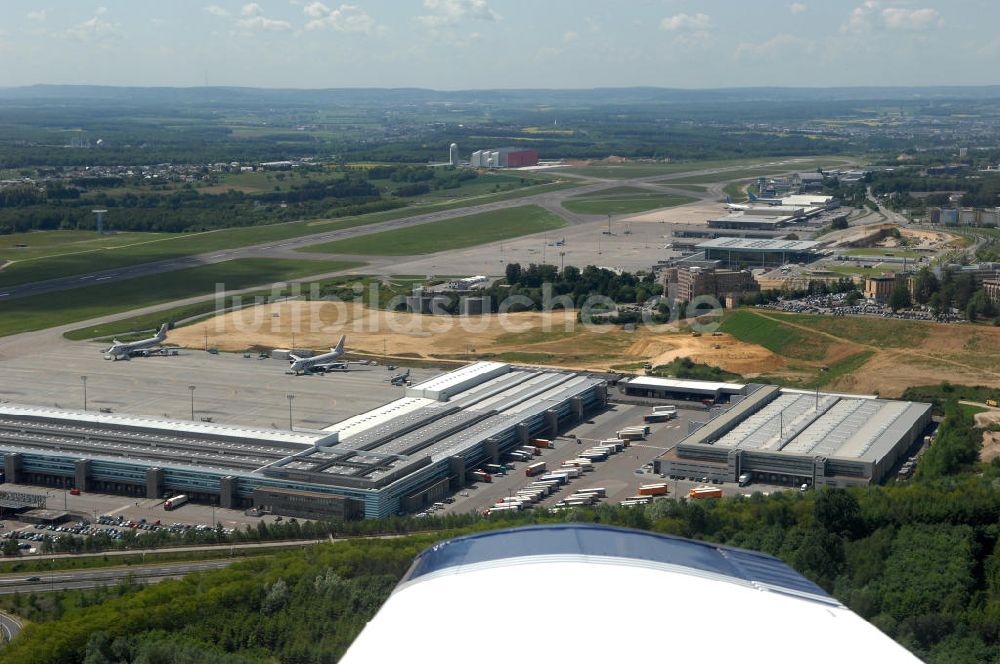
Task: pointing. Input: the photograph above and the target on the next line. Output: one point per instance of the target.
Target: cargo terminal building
(399, 457)
(733, 251)
(793, 437)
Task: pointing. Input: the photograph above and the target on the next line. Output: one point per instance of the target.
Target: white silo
(453, 154)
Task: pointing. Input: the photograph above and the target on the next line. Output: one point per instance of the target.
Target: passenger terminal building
(399, 457)
(792, 437)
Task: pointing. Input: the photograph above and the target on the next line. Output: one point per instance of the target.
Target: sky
(482, 44)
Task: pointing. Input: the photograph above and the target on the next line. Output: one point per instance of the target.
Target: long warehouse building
(792, 437)
(399, 457)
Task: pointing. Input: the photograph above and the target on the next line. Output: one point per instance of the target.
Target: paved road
(9, 627)
(551, 201)
(79, 579)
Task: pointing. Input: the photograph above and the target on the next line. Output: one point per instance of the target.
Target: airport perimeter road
(81, 579)
(9, 626)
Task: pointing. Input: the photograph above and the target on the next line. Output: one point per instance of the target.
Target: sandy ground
(695, 213)
(991, 446)
(991, 416)
(959, 354)
(553, 338)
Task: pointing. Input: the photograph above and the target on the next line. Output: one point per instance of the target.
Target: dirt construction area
(852, 354)
(553, 338)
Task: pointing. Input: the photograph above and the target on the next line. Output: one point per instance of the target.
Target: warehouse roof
(746, 244)
(681, 385)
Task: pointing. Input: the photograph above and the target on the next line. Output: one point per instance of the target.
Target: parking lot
(620, 476)
(116, 514)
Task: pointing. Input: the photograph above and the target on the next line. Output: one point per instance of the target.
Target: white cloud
(797, 7)
(39, 15)
(216, 10)
(570, 36)
(316, 10)
(253, 19)
(346, 18)
(773, 47)
(450, 12)
(896, 18)
(93, 28)
(870, 17)
(263, 23)
(684, 22)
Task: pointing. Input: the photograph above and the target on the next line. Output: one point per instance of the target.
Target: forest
(918, 559)
(133, 205)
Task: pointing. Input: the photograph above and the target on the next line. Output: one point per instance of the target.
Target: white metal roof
(747, 244)
(600, 611)
(202, 428)
(682, 384)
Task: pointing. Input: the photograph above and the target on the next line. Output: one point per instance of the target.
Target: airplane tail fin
(162, 332)
(340, 345)
(728, 199)
(752, 196)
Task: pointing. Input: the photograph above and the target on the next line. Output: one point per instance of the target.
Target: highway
(10, 626)
(287, 248)
(82, 579)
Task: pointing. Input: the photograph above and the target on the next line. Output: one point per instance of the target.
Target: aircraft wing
(600, 594)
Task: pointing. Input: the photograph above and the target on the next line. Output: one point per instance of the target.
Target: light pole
(192, 388)
(562, 261)
(84, 379)
(290, 398)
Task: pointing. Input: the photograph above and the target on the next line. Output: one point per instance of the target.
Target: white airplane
(320, 363)
(124, 350)
(725, 604)
(735, 206)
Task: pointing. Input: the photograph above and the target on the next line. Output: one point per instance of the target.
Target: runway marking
(102, 278)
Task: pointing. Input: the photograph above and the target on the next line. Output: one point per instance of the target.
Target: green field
(748, 326)
(644, 169)
(649, 169)
(448, 234)
(52, 309)
(747, 173)
(875, 252)
(41, 244)
(163, 247)
(623, 200)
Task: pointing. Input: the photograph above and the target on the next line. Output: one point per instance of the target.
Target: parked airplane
(320, 363)
(735, 206)
(400, 379)
(124, 350)
(766, 201)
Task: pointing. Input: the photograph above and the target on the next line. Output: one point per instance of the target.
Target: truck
(705, 492)
(561, 478)
(745, 479)
(664, 409)
(535, 469)
(600, 491)
(481, 476)
(571, 471)
(658, 489)
(594, 455)
(495, 469)
(530, 451)
(659, 417)
(175, 502)
(542, 442)
(631, 434)
(993, 403)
